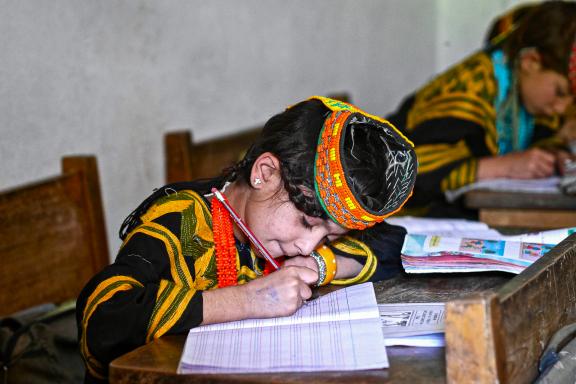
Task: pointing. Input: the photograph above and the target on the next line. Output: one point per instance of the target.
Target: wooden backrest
(186, 160)
(53, 237)
(499, 337)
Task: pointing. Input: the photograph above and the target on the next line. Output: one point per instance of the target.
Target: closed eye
(305, 223)
(561, 92)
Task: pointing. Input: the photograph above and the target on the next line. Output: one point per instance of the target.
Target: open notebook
(338, 331)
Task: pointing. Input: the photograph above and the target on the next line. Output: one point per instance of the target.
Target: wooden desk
(157, 362)
(523, 210)
(497, 326)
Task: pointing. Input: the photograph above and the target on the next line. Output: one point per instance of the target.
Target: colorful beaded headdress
(331, 180)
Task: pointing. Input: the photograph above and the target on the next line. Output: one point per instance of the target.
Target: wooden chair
(186, 160)
(52, 237)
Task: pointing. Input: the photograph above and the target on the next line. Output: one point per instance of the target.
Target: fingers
(303, 278)
(305, 292)
(532, 164)
(543, 163)
(307, 275)
(302, 261)
(282, 292)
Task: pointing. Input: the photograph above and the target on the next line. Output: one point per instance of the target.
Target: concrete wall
(111, 77)
(462, 26)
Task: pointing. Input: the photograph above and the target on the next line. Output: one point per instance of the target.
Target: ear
(265, 172)
(530, 60)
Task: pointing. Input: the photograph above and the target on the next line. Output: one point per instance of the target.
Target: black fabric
(42, 348)
(119, 325)
(202, 186)
(386, 241)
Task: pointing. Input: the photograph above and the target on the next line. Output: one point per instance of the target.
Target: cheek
(537, 96)
(545, 90)
(266, 224)
(257, 223)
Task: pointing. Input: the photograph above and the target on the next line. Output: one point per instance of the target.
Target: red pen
(257, 244)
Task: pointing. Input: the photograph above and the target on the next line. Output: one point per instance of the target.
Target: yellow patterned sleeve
(103, 292)
(460, 176)
(434, 156)
(171, 301)
(551, 143)
(354, 247)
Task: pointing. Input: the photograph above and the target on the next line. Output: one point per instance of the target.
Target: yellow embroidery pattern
(434, 156)
(460, 176)
(464, 92)
(355, 247)
(103, 292)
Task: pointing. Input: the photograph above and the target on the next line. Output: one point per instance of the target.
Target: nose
(562, 104)
(307, 244)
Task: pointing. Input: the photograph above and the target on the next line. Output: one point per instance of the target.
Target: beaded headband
(330, 182)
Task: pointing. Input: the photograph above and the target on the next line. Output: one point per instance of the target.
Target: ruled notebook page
(338, 331)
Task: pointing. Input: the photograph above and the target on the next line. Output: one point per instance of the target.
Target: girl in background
(497, 113)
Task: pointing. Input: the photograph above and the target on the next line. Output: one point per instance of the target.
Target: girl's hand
(280, 293)
(302, 261)
(347, 267)
(533, 163)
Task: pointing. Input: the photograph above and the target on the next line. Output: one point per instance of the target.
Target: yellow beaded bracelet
(329, 267)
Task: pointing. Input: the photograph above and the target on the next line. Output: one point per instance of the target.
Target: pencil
(257, 244)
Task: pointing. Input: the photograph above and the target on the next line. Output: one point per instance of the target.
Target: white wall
(462, 27)
(111, 77)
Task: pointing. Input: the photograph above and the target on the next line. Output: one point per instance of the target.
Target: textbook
(413, 324)
(431, 253)
(338, 331)
(474, 229)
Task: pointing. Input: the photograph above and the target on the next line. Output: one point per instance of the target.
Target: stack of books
(423, 253)
(456, 245)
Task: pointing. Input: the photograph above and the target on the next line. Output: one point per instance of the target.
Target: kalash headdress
(331, 181)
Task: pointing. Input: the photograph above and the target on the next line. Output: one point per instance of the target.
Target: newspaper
(413, 324)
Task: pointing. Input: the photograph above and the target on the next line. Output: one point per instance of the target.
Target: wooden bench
(53, 237)
(497, 326)
(186, 160)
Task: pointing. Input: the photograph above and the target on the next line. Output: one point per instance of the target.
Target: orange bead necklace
(225, 245)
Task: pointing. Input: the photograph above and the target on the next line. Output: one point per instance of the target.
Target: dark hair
(366, 152)
(292, 136)
(505, 23)
(550, 27)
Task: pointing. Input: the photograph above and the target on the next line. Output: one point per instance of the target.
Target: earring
(257, 181)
